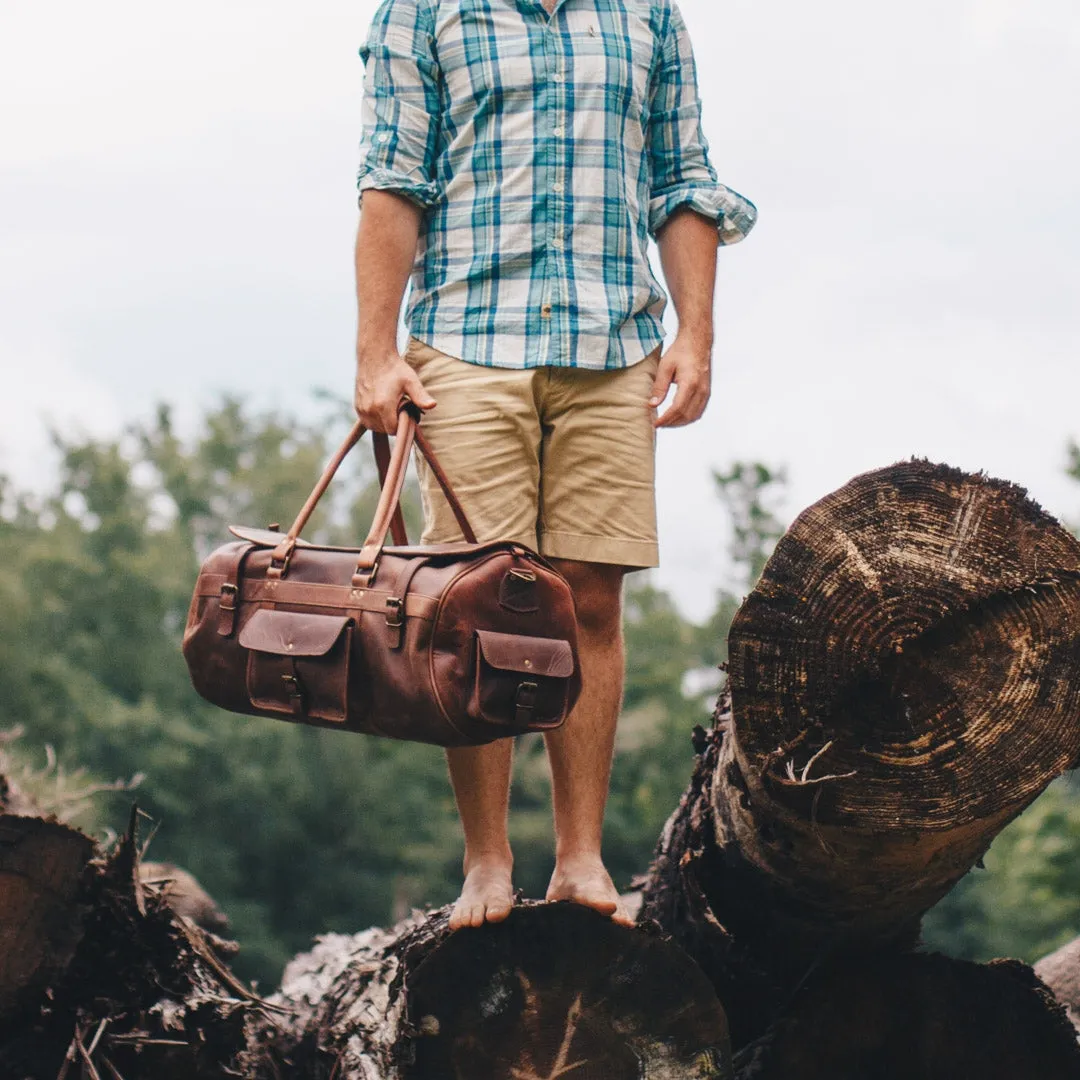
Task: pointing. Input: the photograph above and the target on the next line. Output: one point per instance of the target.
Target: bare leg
(580, 752)
(481, 779)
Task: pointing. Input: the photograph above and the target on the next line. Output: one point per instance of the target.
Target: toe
(498, 911)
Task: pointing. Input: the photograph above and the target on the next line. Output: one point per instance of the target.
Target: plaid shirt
(545, 152)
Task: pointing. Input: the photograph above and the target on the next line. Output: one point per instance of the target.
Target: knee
(597, 589)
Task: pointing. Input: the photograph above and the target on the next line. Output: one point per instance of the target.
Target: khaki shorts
(559, 459)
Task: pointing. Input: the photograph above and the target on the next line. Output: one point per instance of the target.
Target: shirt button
(557, 241)
(557, 187)
(558, 76)
(559, 132)
(545, 311)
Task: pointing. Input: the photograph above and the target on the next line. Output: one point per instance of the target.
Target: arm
(687, 245)
(690, 213)
(385, 249)
(397, 185)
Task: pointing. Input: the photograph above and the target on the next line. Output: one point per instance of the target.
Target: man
(517, 155)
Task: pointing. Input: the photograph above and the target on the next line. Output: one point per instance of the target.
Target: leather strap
(382, 459)
(447, 490)
(388, 500)
(381, 446)
(309, 594)
(392, 468)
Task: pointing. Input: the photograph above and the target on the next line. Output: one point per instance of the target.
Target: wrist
(698, 337)
(376, 352)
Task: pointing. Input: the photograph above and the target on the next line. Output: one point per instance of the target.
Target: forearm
(688, 245)
(385, 249)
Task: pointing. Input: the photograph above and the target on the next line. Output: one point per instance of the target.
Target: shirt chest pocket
(610, 61)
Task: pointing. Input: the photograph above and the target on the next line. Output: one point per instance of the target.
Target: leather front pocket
(298, 664)
(521, 682)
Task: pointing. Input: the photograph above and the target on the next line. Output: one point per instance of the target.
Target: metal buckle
(278, 568)
(524, 702)
(395, 612)
(523, 575)
(228, 597)
(295, 692)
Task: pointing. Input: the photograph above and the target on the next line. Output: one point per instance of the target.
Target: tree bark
(554, 991)
(904, 680)
(1060, 971)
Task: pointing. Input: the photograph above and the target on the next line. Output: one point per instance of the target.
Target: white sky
(177, 212)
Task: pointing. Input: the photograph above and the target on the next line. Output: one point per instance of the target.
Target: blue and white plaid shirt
(545, 151)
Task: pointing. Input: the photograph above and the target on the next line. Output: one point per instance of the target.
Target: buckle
(228, 597)
(294, 691)
(395, 612)
(522, 575)
(279, 567)
(395, 621)
(524, 703)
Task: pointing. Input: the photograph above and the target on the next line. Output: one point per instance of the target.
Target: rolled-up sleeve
(678, 151)
(400, 111)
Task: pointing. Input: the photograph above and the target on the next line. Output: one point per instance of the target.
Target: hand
(380, 385)
(687, 364)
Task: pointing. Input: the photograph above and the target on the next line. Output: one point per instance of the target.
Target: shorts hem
(637, 554)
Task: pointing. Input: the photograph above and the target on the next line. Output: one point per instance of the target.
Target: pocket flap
(292, 633)
(528, 655)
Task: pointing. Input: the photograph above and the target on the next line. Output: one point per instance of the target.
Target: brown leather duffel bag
(453, 644)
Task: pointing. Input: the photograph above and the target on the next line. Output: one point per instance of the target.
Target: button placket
(555, 64)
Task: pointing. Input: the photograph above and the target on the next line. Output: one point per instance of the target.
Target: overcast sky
(177, 210)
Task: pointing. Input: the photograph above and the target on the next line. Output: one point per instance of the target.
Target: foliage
(294, 831)
(750, 491)
(1026, 902)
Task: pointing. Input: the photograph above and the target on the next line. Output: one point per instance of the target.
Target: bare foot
(486, 896)
(586, 881)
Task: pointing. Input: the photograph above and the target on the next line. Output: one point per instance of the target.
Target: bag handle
(388, 512)
(397, 523)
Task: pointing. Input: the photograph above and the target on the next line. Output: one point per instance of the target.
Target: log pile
(904, 681)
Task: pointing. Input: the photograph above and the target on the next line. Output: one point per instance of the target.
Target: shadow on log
(555, 990)
(904, 681)
(897, 1017)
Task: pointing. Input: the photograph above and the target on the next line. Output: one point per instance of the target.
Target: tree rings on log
(558, 990)
(554, 991)
(42, 864)
(899, 1017)
(910, 658)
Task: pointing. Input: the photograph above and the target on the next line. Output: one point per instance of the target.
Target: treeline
(298, 831)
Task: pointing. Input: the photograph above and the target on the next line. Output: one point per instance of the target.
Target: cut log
(896, 1017)
(904, 680)
(101, 977)
(1061, 972)
(42, 864)
(555, 990)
